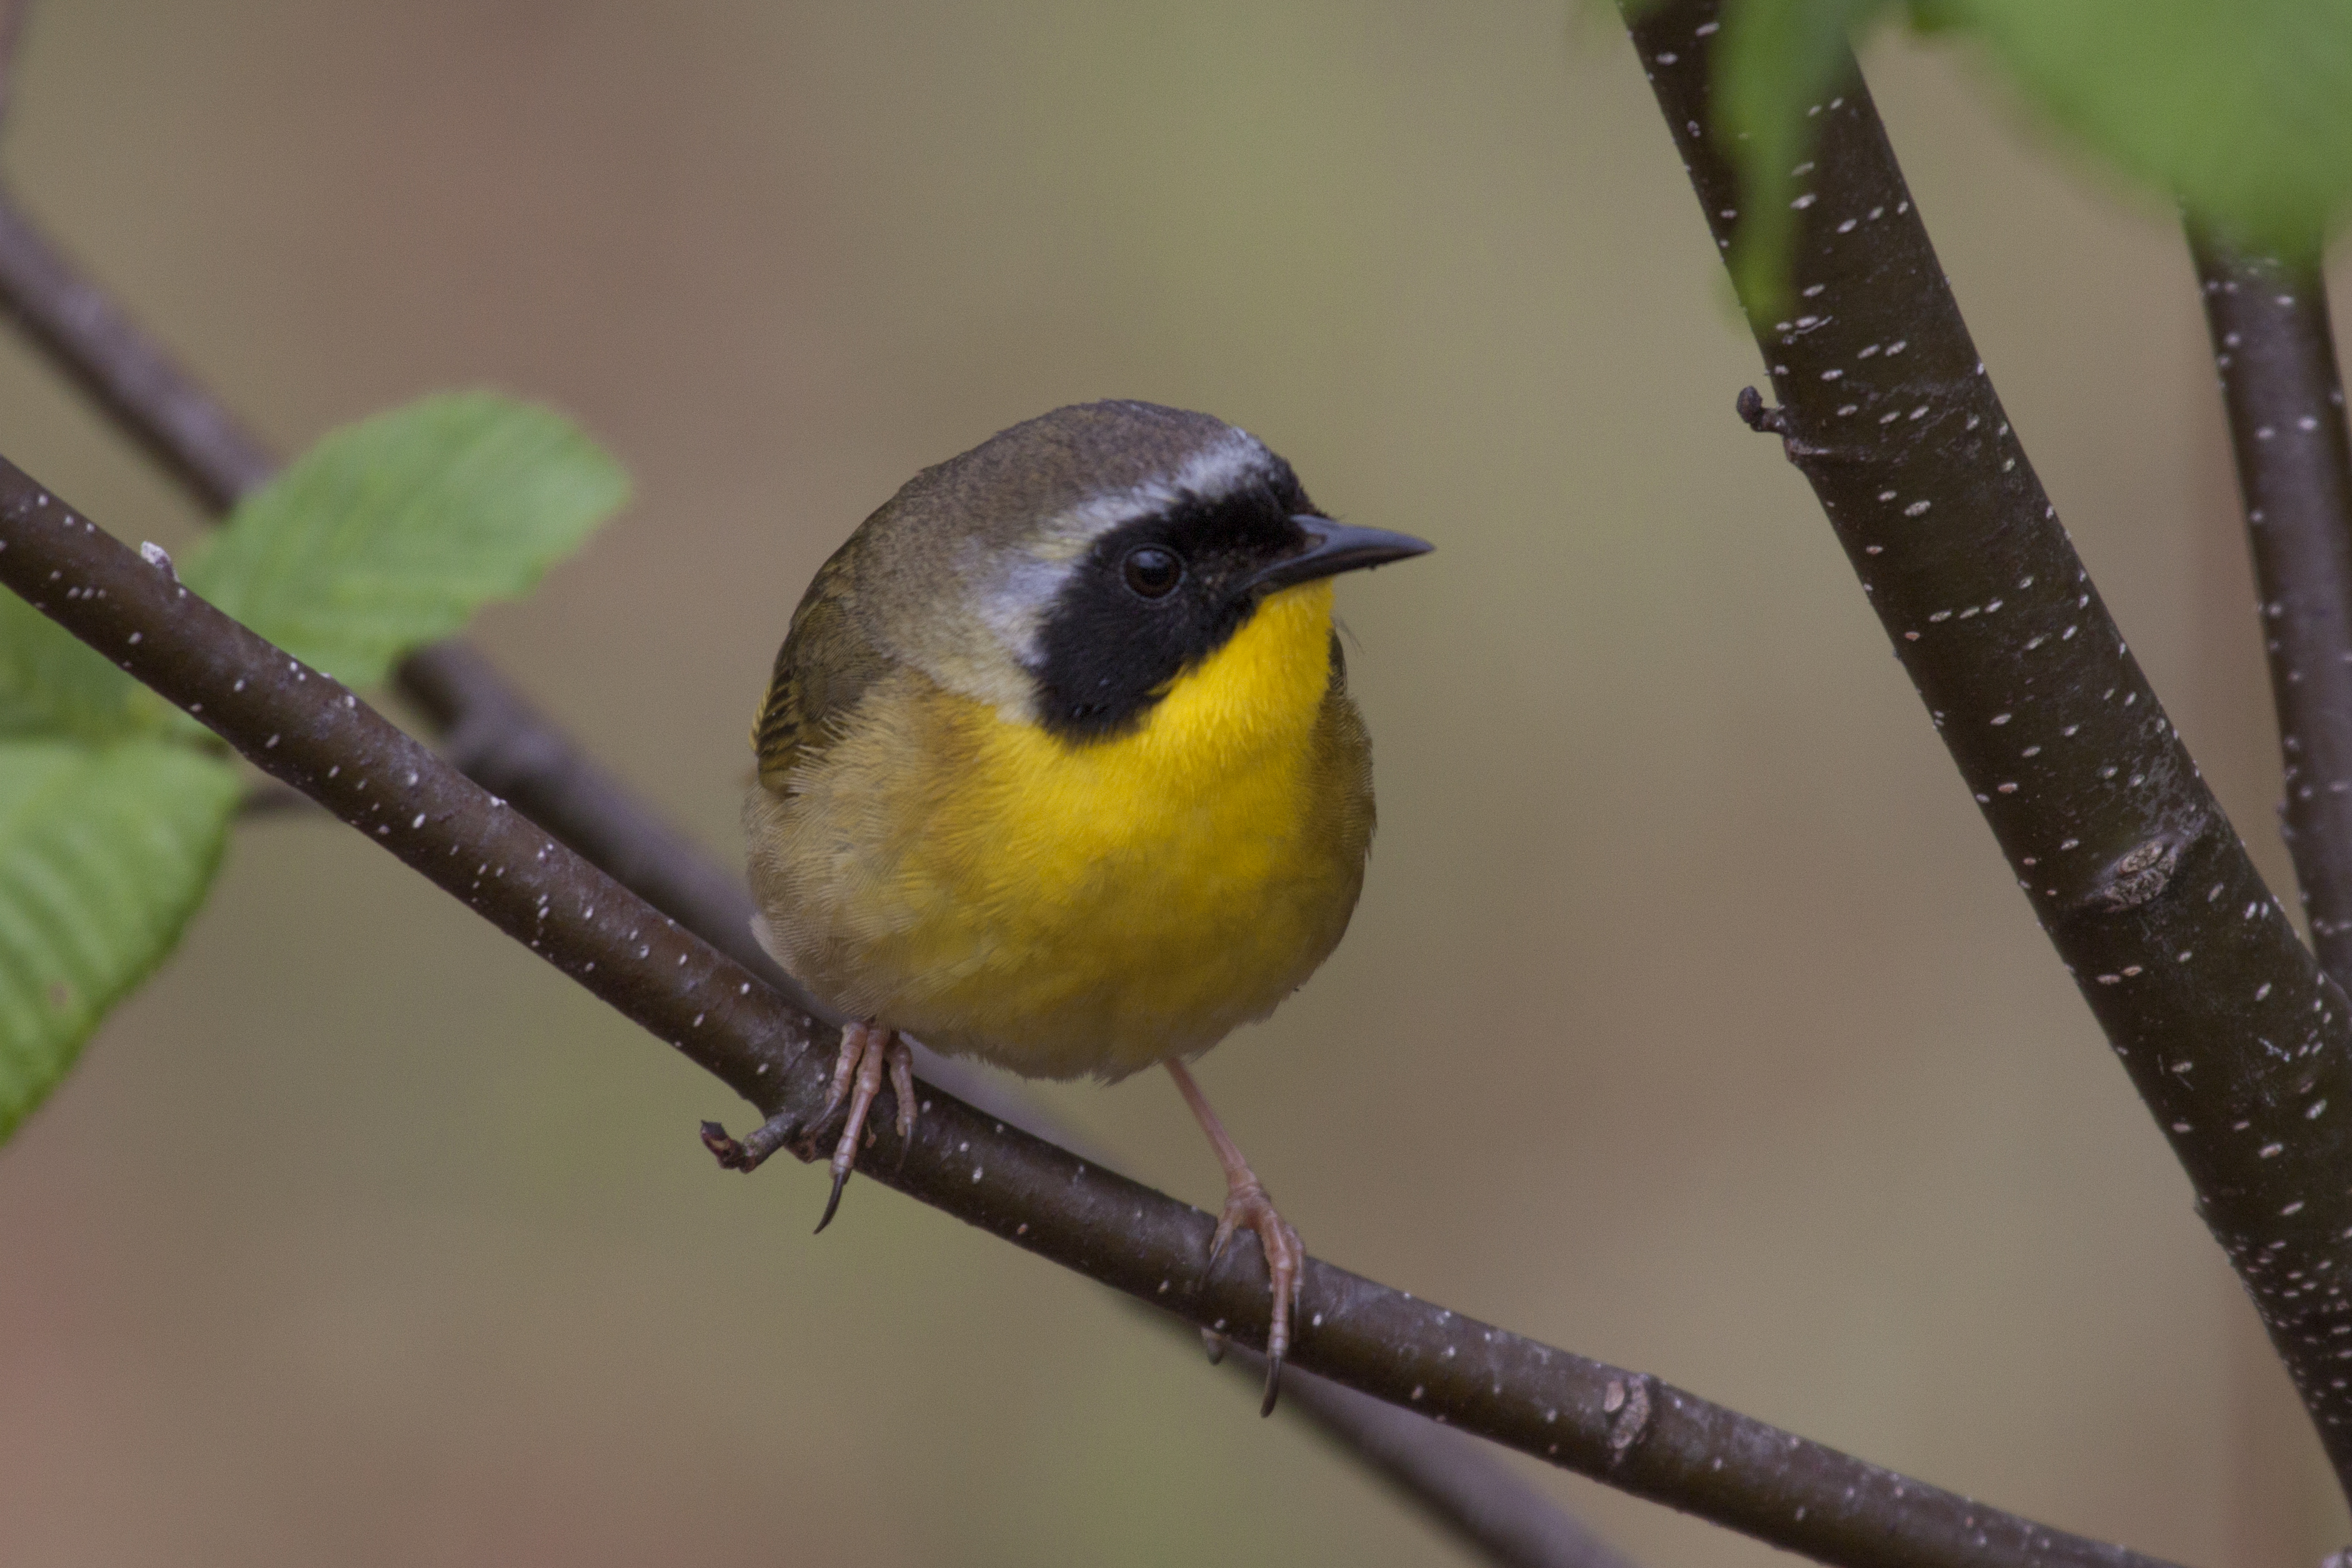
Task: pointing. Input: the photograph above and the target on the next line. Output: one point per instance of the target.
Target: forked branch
(2237, 1042)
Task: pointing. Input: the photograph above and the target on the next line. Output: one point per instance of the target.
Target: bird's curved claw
(868, 1053)
(1247, 1204)
(832, 1202)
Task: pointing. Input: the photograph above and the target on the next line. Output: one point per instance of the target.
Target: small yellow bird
(1058, 769)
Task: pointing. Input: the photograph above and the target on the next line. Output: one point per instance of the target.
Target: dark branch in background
(2276, 356)
(492, 732)
(503, 742)
(104, 353)
(2235, 1040)
(498, 738)
(1457, 1485)
(1627, 1429)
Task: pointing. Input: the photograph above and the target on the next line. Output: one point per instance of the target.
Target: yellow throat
(1097, 907)
(1229, 737)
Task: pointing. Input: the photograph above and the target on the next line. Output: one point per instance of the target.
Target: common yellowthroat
(1057, 768)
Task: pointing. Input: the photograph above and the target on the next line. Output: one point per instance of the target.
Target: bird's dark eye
(1153, 571)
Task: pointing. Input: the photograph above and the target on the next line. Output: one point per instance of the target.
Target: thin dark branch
(2237, 1042)
(493, 733)
(505, 744)
(102, 350)
(2276, 355)
(1625, 1428)
(1458, 1485)
(501, 741)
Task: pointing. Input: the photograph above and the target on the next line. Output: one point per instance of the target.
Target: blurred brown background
(1689, 1019)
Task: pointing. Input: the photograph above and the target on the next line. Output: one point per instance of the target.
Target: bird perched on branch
(1058, 769)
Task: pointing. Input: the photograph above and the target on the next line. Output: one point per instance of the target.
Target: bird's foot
(1246, 1205)
(868, 1051)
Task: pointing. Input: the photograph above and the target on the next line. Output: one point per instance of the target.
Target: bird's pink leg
(1246, 1204)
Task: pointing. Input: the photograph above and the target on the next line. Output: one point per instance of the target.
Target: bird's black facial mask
(1121, 630)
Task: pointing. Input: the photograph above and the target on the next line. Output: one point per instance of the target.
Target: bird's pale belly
(1063, 910)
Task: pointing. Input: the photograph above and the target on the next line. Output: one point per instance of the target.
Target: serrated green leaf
(388, 534)
(105, 851)
(52, 684)
(2241, 111)
(1777, 62)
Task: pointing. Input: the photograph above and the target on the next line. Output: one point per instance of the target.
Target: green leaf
(105, 851)
(2242, 109)
(390, 533)
(1777, 62)
(53, 684)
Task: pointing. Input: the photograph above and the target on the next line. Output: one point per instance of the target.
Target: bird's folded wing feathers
(825, 667)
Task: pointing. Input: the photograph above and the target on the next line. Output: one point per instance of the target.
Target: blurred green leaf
(1778, 62)
(390, 533)
(2242, 110)
(386, 535)
(105, 851)
(54, 685)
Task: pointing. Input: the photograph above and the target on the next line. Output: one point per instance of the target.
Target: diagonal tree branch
(492, 732)
(101, 349)
(2237, 1042)
(501, 740)
(1628, 1430)
(2275, 354)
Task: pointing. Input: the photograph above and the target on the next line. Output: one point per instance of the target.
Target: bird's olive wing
(825, 665)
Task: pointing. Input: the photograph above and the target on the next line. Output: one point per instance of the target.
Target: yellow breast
(1062, 907)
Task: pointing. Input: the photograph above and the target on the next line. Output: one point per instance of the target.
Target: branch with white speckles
(503, 742)
(2237, 1042)
(2275, 354)
(493, 733)
(1627, 1429)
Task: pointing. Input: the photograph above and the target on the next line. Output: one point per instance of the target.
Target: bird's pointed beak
(1336, 547)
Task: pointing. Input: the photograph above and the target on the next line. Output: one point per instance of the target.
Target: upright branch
(2276, 356)
(501, 741)
(2237, 1042)
(1625, 1428)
